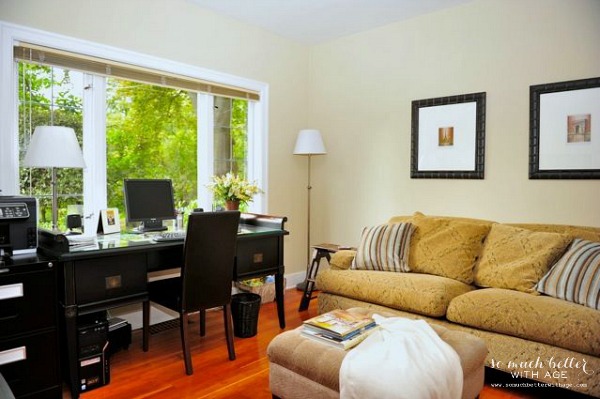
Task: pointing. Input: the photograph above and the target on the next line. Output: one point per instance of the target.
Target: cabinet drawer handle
(7, 318)
(11, 291)
(13, 355)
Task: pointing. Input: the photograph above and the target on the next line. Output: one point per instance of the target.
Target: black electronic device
(74, 222)
(94, 371)
(92, 351)
(119, 335)
(149, 202)
(18, 225)
(92, 338)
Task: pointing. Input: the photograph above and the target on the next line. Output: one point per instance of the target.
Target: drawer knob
(50, 265)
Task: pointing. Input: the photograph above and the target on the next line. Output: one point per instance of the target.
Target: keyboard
(169, 236)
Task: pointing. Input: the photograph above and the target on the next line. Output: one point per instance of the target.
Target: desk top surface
(82, 245)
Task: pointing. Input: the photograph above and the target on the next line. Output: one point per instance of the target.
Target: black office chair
(206, 276)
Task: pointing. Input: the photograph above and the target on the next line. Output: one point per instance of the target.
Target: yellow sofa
(480, 277)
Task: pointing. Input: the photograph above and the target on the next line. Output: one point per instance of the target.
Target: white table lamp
(54, 147)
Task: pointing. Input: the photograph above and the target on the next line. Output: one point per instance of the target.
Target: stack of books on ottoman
(339, 328)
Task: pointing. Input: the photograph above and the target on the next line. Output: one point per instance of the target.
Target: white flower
(231, 187)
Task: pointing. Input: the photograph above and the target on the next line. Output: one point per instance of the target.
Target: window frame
(94, 149)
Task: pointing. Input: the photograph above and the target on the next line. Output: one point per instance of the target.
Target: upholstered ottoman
(303, 368)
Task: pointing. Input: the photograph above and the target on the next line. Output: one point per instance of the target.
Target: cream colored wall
(358, 91)
(361, 88)
(179, 31)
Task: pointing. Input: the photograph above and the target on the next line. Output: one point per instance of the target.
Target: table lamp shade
(54, 147)
(309, 142)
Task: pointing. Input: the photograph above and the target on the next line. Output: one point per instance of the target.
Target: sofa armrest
(342, 260)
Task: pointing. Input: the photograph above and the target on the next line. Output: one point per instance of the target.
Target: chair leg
(202, 322)
(229, 330)
(145, 325)
(187, 358)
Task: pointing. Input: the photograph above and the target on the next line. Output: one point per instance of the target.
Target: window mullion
(94, 150)
(257, 155)
(205, 153)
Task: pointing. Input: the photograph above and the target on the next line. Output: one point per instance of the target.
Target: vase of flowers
(232, 190)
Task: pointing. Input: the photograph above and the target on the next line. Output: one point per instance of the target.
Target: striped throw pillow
(384, 247)
(576, 276)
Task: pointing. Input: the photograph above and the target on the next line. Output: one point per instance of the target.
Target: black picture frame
(571, 94)
(476, 147)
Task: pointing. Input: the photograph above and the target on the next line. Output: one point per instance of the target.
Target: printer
(18, 225)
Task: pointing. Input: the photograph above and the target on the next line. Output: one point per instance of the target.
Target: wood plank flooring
(160, 374)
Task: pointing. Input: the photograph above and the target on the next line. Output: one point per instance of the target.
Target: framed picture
(564, 130)
(109, 221)
(448, 137)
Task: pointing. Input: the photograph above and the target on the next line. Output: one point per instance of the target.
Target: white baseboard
(294, 279)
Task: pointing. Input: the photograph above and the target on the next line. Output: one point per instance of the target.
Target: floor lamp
(54, 147)
(309, 143)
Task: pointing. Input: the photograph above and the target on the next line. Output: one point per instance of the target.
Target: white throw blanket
(403, 359)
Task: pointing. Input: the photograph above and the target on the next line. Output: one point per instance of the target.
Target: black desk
(113, 272)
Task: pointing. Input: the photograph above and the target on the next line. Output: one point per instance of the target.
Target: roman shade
(28, 52)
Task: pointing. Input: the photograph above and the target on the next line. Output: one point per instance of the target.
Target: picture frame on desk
(109, 221)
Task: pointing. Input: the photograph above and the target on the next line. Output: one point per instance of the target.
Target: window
(151, 133)
(50, 96)
(209, 129)
(230, 138)
(231, 132)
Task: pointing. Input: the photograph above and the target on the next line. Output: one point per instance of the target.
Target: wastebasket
(244, 309)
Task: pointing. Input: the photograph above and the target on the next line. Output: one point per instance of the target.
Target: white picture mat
(112, 224)
(460, 156)
(555, 153)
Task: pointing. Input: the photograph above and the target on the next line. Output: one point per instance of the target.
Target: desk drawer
(109, 278)
(27, 302)
(29, 365)
(254, 255)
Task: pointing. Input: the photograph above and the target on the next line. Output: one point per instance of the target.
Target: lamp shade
(54, 147)
(309, 142)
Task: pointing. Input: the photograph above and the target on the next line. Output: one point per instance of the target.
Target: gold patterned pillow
(584, 232)
(446, 247)
(384, 247)
(516, 258)
(576, 276)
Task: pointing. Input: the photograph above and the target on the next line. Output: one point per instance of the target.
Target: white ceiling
(315, 21)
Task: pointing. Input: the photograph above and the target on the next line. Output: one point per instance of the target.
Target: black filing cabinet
(29, 356)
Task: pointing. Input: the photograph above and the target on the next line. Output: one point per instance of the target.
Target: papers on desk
(82, 242)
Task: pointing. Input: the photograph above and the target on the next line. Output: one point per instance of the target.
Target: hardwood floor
(160, 374)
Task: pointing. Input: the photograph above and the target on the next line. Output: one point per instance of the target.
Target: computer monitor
(149, 201)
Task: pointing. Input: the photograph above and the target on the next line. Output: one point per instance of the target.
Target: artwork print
(563, 139)
(448, 137)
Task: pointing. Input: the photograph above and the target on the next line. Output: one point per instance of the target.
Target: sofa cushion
(536, 318)
(342, 259)
(384, 248)
(418, 293)
(516, 258)
(576, 276)
(446, 247)
(404, 218)
(584, 232)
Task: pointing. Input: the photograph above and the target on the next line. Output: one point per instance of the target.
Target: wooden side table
(320, 251)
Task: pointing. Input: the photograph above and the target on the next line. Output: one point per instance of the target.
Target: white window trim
(94, 150)
(205, 165)
(11, 34)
